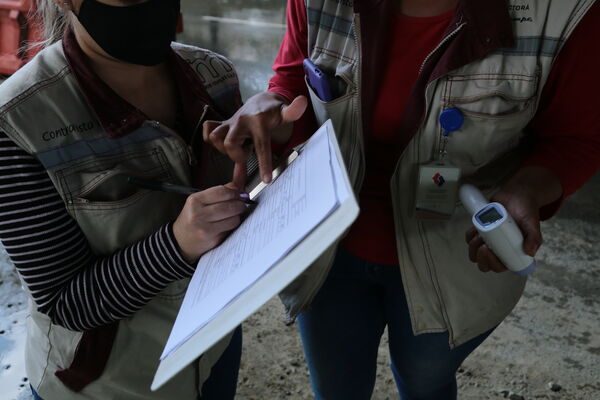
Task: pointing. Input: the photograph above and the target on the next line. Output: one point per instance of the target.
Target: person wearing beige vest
(514, 72)
(107, 263)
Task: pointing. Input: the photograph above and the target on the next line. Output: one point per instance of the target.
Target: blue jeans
(222, 382)
(342, 330)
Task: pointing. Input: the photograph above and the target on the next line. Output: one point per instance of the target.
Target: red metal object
(16, 30)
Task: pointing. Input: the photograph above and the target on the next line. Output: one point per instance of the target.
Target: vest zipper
(360, 139)
(188, 148)
(199, 123)
(420, 227)
(192, 161)
(441, 43)
(436, 288)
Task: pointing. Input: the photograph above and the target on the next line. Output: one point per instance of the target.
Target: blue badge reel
(451, 120)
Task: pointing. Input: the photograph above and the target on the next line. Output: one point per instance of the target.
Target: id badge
(437, 188)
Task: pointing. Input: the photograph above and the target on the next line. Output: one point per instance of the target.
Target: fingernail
(244, 196)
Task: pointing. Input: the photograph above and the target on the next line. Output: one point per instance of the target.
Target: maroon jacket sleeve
(567, 123)
(288, 80)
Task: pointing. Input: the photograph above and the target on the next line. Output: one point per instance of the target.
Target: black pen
(169, 187)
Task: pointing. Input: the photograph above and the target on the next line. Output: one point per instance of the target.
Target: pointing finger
(239, 176)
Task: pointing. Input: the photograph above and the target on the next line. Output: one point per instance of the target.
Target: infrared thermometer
(498, 230)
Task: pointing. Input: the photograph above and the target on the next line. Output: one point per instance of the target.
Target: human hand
(522, 207)
(522, 196)
(206, 219)
(264, 117)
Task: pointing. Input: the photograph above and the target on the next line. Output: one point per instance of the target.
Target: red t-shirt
(566, 125)
(412, 39)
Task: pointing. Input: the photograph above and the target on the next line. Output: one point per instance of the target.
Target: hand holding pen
(171, 188)
(206, 218)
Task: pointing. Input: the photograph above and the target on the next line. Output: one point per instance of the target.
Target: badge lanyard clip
(438, 180)
(451, 120)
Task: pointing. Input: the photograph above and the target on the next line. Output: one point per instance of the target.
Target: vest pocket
(111, 212)
(103, 182)
(343, 112)
(496, 106)
(112, 186)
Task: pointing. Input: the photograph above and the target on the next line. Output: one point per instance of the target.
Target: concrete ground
(553, 335)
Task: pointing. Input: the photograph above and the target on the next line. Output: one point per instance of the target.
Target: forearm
(67, 282)
(109, 289)
(541, 184)
(566, 127)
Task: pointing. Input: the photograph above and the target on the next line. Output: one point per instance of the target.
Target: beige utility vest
(498, 96)
(44, 111)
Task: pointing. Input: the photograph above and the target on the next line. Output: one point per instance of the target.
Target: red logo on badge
(439, 179)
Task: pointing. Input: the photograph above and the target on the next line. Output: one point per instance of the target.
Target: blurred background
(548, 348)
(248, 32)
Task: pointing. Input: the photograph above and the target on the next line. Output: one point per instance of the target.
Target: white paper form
(288, 210)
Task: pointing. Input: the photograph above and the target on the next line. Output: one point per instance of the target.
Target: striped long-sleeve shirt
(77, 289)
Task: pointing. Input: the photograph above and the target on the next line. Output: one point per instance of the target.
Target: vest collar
(487, 27)
(489, 20)
(117, 116)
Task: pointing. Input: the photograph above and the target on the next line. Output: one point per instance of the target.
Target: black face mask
(139, 34)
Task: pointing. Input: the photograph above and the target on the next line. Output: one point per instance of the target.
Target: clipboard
(276, 278)
(255, 185)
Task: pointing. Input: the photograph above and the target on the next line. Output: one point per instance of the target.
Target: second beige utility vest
(498, 96)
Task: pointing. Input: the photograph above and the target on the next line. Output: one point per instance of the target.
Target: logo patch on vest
(67, 130)
(439, 180)
(347, 3)
(516, 11)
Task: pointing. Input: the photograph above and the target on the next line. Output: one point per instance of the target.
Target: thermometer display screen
(489, 216)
